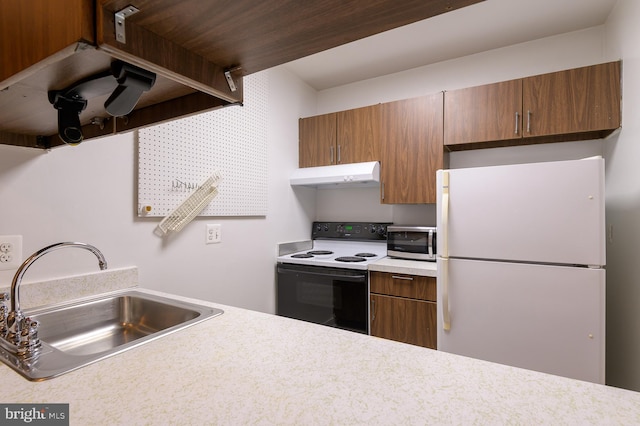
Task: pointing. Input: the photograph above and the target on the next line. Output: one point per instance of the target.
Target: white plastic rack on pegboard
(191, 207)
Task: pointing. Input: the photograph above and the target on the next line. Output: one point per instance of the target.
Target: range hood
(341, 175)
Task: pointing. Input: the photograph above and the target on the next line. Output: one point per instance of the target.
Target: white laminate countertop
(247, 367)
(402, 266)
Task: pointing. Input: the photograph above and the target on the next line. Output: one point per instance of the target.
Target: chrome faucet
(17, 333)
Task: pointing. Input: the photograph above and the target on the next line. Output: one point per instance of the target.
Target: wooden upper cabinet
(358, 135)
(576, 104)
(578, 100)
(483, 113)
(351, 136)
(317, 140)
(35, 25)
(412, 149)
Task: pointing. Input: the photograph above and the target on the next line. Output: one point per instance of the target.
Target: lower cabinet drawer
(404, 320)
(403, 285)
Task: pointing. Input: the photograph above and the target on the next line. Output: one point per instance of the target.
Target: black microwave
(412, 242)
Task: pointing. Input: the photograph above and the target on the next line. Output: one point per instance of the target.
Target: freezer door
(544, 318)
(544, 212)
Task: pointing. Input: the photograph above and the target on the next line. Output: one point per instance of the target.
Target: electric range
(328, 283)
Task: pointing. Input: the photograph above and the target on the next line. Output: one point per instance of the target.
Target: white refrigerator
(521, 256)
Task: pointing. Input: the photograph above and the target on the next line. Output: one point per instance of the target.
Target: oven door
(329, 296)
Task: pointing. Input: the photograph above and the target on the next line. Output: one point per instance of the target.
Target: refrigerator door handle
(445, 215)
(444, 256)
(444, 275)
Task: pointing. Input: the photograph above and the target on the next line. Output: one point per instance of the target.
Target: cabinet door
(317, 140)
(37, 30)
(491, 112)
(412, 149)
(404, 320)
(358, 135)
(578, 100)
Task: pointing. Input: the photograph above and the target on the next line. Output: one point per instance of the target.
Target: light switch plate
(10, 252)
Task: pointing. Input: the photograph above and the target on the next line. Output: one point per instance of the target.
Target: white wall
(536, 57)
(87, 193)
(623, 205)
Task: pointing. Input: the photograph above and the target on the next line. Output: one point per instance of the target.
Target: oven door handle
(355, 277)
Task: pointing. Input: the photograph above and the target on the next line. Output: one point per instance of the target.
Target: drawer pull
(397, 277)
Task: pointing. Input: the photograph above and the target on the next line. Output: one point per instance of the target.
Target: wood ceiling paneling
(260, 34)
(187, 43)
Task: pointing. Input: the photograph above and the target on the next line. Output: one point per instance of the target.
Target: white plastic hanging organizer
(191, 207)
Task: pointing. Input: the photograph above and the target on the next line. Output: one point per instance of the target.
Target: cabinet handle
(517, 122)
(330, 155)
(397, 277)
(339, 154)
(382, 191)
(528, 121)
(373, 310)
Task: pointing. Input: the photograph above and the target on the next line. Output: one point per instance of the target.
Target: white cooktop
(339, 249)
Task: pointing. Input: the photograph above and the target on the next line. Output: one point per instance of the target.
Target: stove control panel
(363, 231)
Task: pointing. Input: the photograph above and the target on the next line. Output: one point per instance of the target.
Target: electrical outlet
(10, 251)
(213, 233)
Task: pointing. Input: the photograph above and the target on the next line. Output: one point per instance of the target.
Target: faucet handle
(14, 325)
(28, 341)
(32, 325)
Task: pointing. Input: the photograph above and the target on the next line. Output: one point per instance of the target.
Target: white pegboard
(175, 157)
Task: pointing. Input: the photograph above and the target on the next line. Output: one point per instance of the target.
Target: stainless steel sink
(77, 334)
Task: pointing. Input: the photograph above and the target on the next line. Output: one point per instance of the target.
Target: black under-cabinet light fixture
(124, 81)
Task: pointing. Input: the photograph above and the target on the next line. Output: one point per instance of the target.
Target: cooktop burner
(302, 256)
(366, 254)
(320, 252)
(350, 259)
